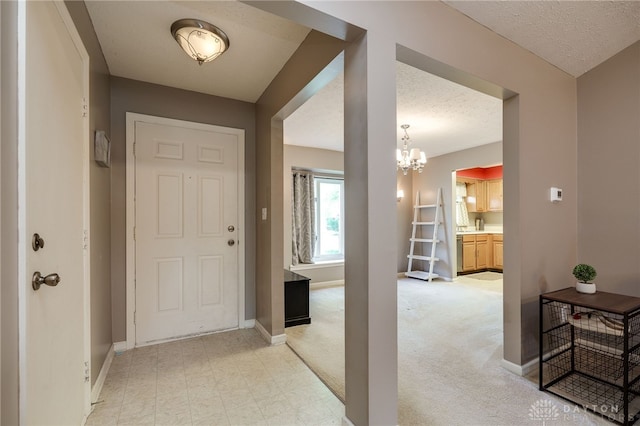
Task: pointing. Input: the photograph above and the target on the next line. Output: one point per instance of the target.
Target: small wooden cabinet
(296, 299)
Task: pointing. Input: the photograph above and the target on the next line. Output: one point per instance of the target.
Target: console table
(590, 351)
(296, 299)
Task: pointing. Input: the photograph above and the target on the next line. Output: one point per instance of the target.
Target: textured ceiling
(137, 43)
(443, 116)
(575, 36)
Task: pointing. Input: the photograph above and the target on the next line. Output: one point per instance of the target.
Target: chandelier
(409, 159)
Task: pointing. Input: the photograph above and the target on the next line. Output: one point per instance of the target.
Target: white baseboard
(520, 370)
(97, 386)
(119, 347)
(250, 323)
(324, 284)
(273, 340)
(440, 278)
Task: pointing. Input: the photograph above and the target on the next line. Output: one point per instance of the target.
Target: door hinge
(134, 149)
(134, 233)
(85, 239)
(85, 108)
(87, 375)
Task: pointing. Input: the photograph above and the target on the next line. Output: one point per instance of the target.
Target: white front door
(186, 230)
(54, 379)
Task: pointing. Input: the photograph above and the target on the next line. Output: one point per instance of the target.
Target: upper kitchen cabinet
(484, 188)
(476, 195)
(494, 195)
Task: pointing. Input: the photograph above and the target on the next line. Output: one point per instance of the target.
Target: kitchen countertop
(478, 232)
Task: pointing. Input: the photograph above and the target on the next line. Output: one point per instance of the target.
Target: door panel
(186, 199)
(53, 388)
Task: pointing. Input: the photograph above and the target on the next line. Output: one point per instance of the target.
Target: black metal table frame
(626, 386)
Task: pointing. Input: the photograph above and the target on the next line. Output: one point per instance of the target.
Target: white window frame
(317, 258)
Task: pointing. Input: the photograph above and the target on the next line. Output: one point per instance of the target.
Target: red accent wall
(484, 173)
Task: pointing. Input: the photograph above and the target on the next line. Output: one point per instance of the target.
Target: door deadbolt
(37, 242)
(37, 280)
(231, 242)
(231, 228)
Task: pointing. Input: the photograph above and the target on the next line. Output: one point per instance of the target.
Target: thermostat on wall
(555, 194)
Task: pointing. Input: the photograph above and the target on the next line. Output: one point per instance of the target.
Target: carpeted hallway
(449, 355)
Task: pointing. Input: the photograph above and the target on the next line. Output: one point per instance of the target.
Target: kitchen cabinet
(482, 248)
(481, 252)
(474, 252)
(476, 196)
(494, 195)
(468, 253)
(483, 195)
(497, 252)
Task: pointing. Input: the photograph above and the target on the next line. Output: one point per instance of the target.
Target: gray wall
(437, 174)
(539, 135)
(405, 216)
(609, 171)
(311, 159)
(100, 187)
(145, 98)
(287, 91)
(453, 46)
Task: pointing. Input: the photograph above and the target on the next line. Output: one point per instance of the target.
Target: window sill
(318, 265)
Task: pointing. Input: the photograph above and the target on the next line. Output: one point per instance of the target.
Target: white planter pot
(588, 288)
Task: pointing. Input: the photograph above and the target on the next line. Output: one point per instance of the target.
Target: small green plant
(584, 273)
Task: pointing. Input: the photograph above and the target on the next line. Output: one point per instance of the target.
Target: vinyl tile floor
(229, 378)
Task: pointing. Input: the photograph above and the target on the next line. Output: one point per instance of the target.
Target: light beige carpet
(449, 355)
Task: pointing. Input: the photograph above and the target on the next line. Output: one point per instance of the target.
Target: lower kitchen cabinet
(497, 252)
(474, 252)
(481, 252)
(468, 253)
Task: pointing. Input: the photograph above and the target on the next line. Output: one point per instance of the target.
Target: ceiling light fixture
(414, 159)
(200, 40)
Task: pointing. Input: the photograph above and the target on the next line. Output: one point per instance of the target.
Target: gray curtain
(303, 218)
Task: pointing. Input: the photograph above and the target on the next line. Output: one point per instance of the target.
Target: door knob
(231, 228)
(231, 242)
(51, 280)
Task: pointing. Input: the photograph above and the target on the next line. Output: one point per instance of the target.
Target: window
(329, 198)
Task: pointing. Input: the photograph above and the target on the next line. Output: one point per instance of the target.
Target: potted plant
(585, 274)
